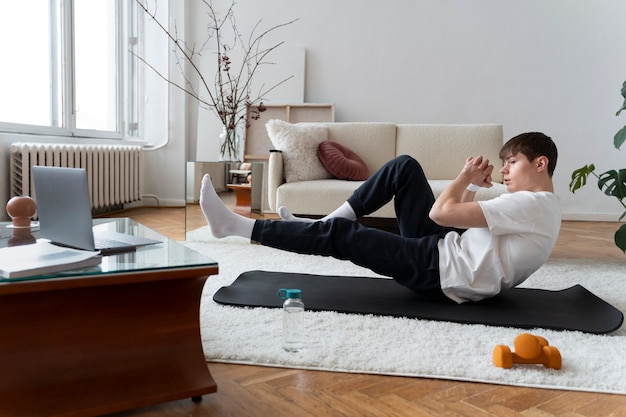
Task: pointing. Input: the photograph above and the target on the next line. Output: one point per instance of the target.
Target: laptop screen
(63, 206)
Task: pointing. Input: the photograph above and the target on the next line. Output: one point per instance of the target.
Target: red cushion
(341, 161)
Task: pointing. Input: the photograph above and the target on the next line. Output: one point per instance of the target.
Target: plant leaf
(620, 137)
(579, 177)
(620, 238)
(623, 95)
(614, 183)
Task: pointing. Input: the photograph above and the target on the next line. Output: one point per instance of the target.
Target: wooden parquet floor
(254, 391)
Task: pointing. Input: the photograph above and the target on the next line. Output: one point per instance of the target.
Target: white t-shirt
(522, 230)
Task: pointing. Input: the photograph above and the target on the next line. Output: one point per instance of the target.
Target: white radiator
(113, 171)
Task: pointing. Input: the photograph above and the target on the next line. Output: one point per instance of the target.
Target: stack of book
(43, 258)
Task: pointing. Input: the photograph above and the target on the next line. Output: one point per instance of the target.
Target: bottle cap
(289, 293)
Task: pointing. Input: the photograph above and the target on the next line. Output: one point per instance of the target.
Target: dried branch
(230, 92)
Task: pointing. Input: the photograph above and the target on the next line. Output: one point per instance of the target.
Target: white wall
(550, 65)
(555, 66)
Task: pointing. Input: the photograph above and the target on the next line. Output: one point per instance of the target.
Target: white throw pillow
(299, 143)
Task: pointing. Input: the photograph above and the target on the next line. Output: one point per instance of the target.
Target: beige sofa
(441, 150)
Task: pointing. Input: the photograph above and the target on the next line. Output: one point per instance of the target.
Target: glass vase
(231, 146)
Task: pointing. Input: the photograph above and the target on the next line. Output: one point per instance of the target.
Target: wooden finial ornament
(21, 209)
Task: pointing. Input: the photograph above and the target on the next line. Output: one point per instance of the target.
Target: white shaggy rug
(406, 347)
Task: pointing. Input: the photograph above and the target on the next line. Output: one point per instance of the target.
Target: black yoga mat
(573, 308)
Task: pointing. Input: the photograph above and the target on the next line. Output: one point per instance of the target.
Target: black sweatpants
(411, 258)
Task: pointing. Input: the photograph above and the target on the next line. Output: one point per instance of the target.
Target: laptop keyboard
(102, 242)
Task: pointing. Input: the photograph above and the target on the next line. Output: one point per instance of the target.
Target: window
(95, 64)
(66, 68)
(29, 73)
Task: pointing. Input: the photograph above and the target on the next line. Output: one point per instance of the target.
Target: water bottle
(293, 319)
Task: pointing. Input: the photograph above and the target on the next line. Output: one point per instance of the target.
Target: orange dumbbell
(529, 349)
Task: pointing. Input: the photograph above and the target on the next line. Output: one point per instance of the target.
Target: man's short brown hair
(532, 145)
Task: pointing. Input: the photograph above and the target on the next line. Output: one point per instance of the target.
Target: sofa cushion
(299, 142)
(374, 142)
(443, 149)
(321, 197)
(341, 161)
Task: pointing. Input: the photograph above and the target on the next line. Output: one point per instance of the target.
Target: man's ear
(542, 163)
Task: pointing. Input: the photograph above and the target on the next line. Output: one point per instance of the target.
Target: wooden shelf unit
(257, 142)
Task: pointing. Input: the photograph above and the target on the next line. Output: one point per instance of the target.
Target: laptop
(64, 211)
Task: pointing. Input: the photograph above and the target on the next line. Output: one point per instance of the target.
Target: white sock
(345, 211)
(221, 220)
(286, 215)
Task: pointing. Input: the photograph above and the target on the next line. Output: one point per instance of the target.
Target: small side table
(242, 195)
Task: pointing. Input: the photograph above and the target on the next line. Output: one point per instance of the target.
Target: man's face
(519, 174)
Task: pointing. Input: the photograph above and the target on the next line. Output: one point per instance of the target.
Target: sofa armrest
(275, 177)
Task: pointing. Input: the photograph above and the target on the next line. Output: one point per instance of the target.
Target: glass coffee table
(120, 335)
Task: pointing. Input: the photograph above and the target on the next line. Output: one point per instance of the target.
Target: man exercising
(451, 248)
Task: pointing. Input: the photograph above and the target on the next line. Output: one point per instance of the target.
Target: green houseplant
(612, 182)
